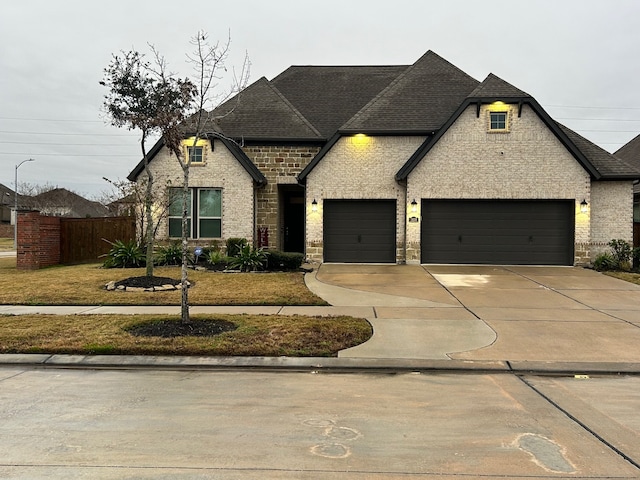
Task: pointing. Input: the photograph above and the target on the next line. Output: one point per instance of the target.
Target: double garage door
(498, 232)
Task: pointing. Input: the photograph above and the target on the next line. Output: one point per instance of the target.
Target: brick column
(38, 240)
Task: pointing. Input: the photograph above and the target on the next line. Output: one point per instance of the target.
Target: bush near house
(622, 256)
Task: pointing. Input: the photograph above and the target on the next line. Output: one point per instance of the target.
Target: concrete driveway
(514, 314)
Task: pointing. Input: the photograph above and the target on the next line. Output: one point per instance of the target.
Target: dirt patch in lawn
(146, 282)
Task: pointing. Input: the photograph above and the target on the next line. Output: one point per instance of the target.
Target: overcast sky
(579, 58)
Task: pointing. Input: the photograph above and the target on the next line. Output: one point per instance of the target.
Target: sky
(579, 58)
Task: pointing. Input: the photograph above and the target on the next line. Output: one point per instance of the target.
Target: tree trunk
(148, 200)
(184, 282)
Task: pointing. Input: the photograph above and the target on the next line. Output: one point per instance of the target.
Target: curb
(315, 364)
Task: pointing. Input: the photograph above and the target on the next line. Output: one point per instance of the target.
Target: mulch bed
(147, 282)
(177, 328)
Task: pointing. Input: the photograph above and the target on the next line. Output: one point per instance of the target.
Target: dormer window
(498, 121)
(196, 154)
(195, 150)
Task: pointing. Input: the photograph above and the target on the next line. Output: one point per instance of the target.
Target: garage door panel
(499, 232)
(360, 231)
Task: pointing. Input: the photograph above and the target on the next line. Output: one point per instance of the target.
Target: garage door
(360, 231)
(505, 232)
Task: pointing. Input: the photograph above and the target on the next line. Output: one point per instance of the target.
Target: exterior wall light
(414, 206)
(314, 205)
(583, 206)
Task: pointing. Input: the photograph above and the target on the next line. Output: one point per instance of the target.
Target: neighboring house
(7, 201)
(60, 202)
(631, 154)
(386, 164)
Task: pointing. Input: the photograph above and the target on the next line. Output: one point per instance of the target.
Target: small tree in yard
(208, 60)
(143, 98)
(149, 98)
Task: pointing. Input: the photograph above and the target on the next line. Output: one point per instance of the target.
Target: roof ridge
(399, 79)
(492, 78)
(293, 108)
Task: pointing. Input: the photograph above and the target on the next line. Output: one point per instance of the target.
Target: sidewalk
(501, 319)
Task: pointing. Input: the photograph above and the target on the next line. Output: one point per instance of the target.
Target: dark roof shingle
(420, 100)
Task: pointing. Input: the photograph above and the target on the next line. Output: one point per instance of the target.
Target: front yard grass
(256, 335)
(626, 276)
(6, 244)
(84, 285)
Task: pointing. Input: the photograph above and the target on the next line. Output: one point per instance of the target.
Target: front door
(293, 221)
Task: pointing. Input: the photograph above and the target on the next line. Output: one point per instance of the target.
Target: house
(390, 164)
(60, 202)
(7, 200)
(631, 154)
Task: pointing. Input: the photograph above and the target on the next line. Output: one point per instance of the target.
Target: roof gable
(419, 100)
(494, 87)
(261, 112)
(630, 152)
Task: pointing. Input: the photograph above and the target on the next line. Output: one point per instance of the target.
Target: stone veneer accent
(280, 165)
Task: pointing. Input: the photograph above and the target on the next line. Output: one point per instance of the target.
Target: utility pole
(15, 204)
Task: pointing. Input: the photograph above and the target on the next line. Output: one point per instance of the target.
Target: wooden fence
(84, 239)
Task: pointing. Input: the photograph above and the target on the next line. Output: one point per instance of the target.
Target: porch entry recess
(359, 231)
(499, 232)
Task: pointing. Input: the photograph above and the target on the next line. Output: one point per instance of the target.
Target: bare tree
(144, 98)
(208, 61)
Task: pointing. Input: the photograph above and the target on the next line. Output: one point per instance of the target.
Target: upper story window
(196, 154)
(498, 121)
(196, 150)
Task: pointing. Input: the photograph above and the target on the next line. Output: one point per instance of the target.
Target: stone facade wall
(611, 212)
(219, 170)
(358, 167)
(528, 162)
(280, 165)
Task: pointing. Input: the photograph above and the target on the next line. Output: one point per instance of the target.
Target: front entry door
(293, 221)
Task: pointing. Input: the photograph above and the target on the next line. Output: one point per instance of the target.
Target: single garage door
(360, 231)
(498, 232)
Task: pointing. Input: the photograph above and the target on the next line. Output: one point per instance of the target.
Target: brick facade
(611, 214)
(219, 170)
(358, 167)
(38, 241)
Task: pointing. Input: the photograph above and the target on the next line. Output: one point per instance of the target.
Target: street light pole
(15, 204)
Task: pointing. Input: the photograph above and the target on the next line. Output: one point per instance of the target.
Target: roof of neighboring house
(64, 203)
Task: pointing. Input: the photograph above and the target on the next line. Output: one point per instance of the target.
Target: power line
(71, 134)
(70, 144)
(64, 154)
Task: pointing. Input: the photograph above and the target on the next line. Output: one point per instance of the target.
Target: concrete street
(102, 424)
(473, 372)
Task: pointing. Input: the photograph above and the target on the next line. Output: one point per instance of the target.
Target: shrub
(170, 254)
(622, 253)
(604, 261)
(234, 245)
(249, 259)
(216, 260)
(284, 260)
(124, 255)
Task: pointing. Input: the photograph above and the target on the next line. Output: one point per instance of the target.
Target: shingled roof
(630, 152)
(329, 96)
(420, 100)
(494, 87)
(261, 112)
